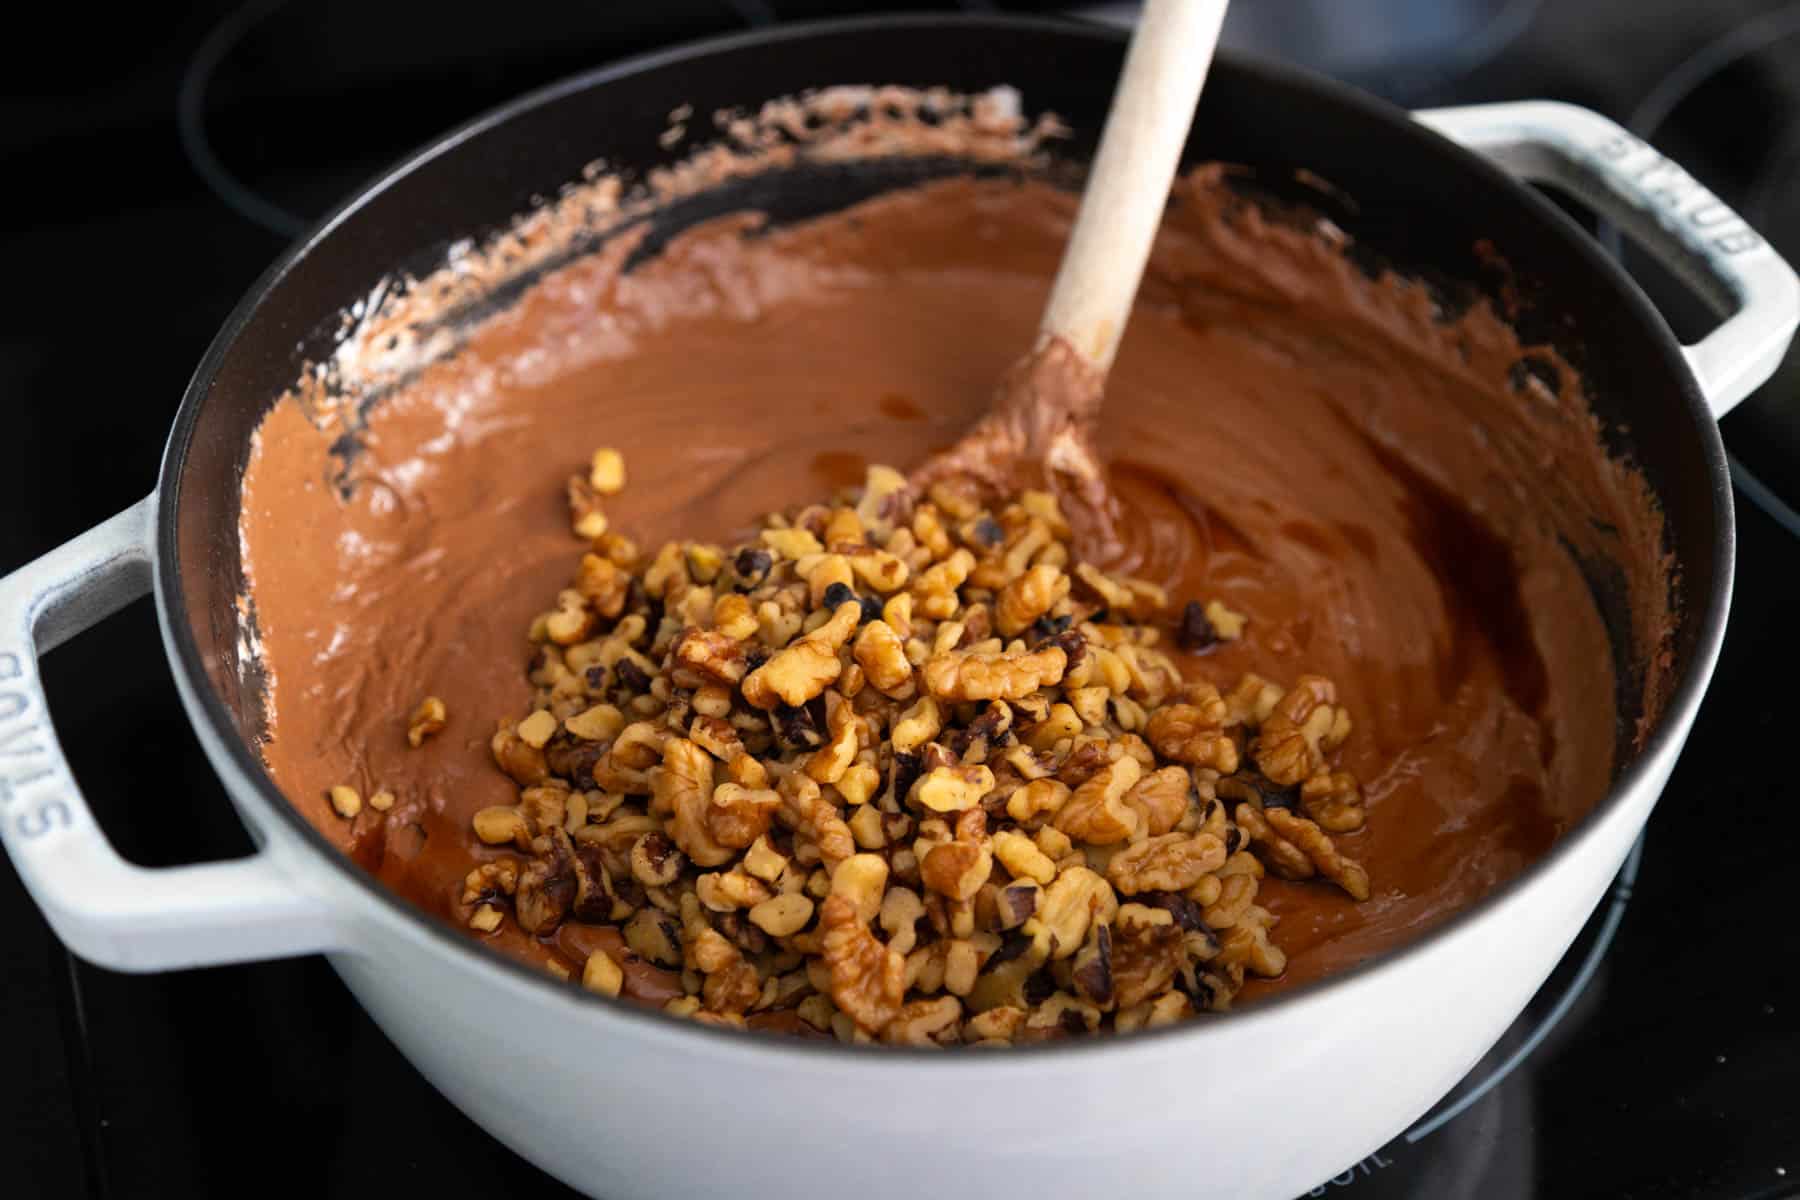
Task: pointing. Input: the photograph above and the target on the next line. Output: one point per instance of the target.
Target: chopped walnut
(882, 656)
(1284, 858)
(1078, 898)
(585, 517)
(536, 729)
(501, 825)
(1022, 858)
(953, 789)
(802, 670)
(655, 860)
(497, 878)
(602, 974)
(1246, 944)
(1228, 623)
(1161, 799)
(923, 1022)
(965, 675)
(604, 585)
(600, 723)
(1040, 797)
(1304, 727)
(916, 726)
(817, 819)
(868, 979)
(606, 473)
(1236, 894)
(1193, 734)
(684, 790)
(1029, 597)
(736, 815)
(1333, 800)
(345, 800)
(1172, 862)
(957, 868)
(546, 889)
(1147, 956)
(882, 571)
(861, 880)
(782, 916)
(710, 654)
(428, 718)
(1312, 841)
(1096, 811)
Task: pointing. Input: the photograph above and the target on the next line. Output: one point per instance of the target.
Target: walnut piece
(1077, 899)
(427, 719)
(1334, 800)
(959, 867)
(802, 670)
(684, 789)
(1284, 858)
(711, 654)
(1172, 862)
(1161, 799)
(1347, 873)
(1193, 734)
(882, 656)
(1304, 727)
(953, 789)
(1147, 956)
(1029, 597)
(1096, 811)
(965, 675)
(868, 979)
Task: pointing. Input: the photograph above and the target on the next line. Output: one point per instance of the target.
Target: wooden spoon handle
(1129, 183)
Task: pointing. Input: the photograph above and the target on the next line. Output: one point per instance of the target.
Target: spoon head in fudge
(1040, 428)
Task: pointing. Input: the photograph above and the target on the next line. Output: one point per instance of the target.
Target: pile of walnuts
(901, 769)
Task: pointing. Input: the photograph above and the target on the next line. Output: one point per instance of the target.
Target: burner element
(284, 109)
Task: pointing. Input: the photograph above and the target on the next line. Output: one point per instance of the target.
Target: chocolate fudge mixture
(1377, 489)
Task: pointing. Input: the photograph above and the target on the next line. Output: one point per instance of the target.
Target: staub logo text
(1667, 188)
(29, 803)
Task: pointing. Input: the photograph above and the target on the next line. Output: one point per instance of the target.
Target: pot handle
(106, 909)
(1689, 230)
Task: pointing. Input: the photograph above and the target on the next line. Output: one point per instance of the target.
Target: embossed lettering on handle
(1672, 215)
(106, 909)
(29, 800)
(1666, 185)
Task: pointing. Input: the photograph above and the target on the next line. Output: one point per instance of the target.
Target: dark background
(126, 249)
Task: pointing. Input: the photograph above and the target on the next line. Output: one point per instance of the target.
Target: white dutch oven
(622, 1103)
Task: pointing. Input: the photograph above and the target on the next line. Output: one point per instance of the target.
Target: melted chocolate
(1312, 446)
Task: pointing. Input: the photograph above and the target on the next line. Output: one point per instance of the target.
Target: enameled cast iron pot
(624, 1103)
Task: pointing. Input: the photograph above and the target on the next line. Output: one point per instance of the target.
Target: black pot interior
(1417, 206)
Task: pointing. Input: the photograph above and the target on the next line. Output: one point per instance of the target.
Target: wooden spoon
(1040, 425)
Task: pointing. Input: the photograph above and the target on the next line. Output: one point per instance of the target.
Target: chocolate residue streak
(900, 408)
(834, 469)
(1305, 443)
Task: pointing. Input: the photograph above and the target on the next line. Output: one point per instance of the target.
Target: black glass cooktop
(182, 149)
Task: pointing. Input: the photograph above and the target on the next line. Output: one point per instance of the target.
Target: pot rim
(207, 710)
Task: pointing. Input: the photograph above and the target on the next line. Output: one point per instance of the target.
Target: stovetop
(183, 150)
